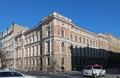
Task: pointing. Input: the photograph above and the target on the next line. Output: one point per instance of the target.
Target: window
(32, 37)
(62, 47)
(80, 39)
(33, 61)
(87, 41)
(35, 39)
(41, 35)
(26, 51)
(83, 40)
(62, 33)
(48, 46)
(75, 38)
(71, 36)
(29, 51)
(33, 51)
(28, 39)
(37, 50)
(63, 61)
(48, 31)
(94, 43)
(90, 42)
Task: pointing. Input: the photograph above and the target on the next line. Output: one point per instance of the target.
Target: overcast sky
(97, 16)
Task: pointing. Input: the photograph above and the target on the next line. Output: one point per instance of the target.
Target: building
(8, 44)
(56, 44)
(113, 50)
(0, 49)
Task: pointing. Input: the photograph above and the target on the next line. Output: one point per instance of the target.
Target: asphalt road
(74, 74)
(110, 73)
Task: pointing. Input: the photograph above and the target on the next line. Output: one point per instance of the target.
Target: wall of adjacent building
(8, 43)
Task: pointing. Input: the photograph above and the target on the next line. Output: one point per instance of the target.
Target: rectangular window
(80, 39)
(33, 51)
(62, 33)
(37, 50)
(87, 41)
(75, 38)
(48, 46)
(48, 31)
(83, 40)
(71, 36)
(29, 51)
(63, 61)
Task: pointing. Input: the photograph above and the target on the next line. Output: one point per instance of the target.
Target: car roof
(8, 70)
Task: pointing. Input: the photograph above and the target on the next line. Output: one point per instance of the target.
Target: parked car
(93, 70)
(6, 73)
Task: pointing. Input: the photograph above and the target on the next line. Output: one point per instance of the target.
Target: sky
(97, 16)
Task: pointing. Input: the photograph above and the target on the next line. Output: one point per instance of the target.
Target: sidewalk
(113, 71)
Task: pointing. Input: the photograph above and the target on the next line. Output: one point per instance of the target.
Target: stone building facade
(113, 50)
(59, 45)
(8, 44)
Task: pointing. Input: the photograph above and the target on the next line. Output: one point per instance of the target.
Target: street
(73, 74)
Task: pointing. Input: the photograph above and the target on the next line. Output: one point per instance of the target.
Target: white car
(93, 70)
(6, 73)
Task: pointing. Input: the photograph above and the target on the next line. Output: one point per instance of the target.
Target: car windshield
(10, 74)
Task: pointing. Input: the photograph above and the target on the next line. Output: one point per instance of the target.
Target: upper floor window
(36, 34)
(19, 41)
(40, 35)
(48, 31)
(48, 46)
(94, 43)
(80, 39)
(75, 38)
(87, 41)
(83, 40)
(36, 49)
(90, 42)
(71, 36)
(62, 33)
(62, 47)
(32, 36)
